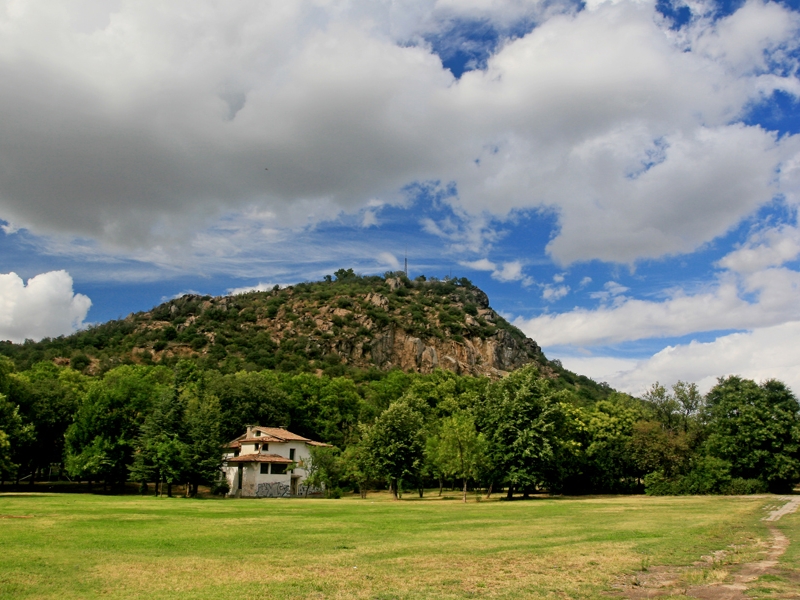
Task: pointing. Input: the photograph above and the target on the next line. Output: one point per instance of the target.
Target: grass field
(84, 546)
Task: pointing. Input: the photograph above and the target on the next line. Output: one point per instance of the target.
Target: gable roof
(283, 435)
(275, 435)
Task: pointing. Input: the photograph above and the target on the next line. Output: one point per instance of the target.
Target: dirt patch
(16, 516)
(715, 577)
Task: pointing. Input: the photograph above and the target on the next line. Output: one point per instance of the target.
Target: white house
(268, 462)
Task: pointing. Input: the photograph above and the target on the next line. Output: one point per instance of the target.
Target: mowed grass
(84, 546)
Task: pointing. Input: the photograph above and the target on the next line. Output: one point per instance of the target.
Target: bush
(79, 361)
(221, 487)
(742, 487)
(709, 475)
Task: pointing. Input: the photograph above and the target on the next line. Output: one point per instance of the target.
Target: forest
(517, 435)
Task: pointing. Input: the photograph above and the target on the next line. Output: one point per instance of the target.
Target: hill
(342, 325)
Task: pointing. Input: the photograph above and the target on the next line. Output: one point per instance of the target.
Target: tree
(530, 429)
(100, 441)
(664, 406)
(15, 435)
(689, 400)
(395, 444)
(609, 432)
(756, 428)
(324, 468)
(357, 466)
(461, 449)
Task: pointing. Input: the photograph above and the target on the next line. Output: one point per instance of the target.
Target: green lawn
(84, 546)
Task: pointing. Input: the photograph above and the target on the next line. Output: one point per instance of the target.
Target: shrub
(79, 361)
(221, 487)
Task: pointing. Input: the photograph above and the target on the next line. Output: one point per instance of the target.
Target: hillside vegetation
(345, 325)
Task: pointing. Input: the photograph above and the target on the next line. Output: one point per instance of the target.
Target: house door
(241, 472)
(293, 488)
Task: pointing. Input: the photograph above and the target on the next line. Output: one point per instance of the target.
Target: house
(268, 462)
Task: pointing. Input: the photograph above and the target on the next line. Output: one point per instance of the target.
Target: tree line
(522, 434)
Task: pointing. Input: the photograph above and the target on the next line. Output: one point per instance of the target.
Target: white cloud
(586, 281)
(45, 307)
(505, 272)
(551, 293)
(764, 353)
(768, 248)
(612, 289)
(773, 297)
(150, 123)
(259, 287)
(390, 260)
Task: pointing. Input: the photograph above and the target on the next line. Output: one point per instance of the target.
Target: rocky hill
(344, 322)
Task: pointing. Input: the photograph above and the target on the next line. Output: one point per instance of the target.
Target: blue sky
(621, 177)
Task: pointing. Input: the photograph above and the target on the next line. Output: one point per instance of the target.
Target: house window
(258, 433)
(278, 469)
(265, 468)
(291, 454)
(256, 446)
(236, 452)
(265, 446)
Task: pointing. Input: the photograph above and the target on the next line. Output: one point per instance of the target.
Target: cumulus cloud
(552, 293)
(765, 298)
(140, 125)
(767, 248)
(46, 307)
(505, 272)
(764, 353)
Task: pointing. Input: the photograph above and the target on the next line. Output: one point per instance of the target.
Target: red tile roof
(275, 435)
(283, 434)
(260, 458)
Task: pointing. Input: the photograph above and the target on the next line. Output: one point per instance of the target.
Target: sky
(622, 177)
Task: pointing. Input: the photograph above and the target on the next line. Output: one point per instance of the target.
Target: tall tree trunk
(441, 485)
(489, 491)
(33, 477)
(421, 491)
(526, 493)
(362, 489)
(169, 489)
(393, 486)
(465, 490)
(510, 494)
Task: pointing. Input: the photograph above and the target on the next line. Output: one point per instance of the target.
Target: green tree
(664, 406)
(531, 431)
(609, 432)
(461, 449)
(324, 468)
(357, 467)
(395, 444)
(47, 396)
(101, 439)
(756, 428)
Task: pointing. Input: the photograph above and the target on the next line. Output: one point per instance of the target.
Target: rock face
(474, 356)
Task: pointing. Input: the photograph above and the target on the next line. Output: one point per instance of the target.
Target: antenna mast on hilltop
(405, 263)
